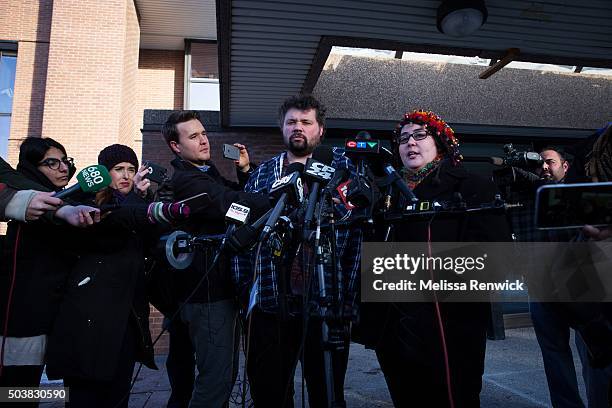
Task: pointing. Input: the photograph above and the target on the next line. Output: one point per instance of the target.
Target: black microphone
(237, 215)
(397, 181)
(243, 237)
(288, 189)
(339, 176)
(319, 172)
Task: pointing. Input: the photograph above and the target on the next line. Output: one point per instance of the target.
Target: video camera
(518, 169)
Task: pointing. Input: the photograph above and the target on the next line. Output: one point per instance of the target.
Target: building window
(8, 65)
(202, 76)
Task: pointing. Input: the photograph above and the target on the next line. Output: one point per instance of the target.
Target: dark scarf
(32, 172)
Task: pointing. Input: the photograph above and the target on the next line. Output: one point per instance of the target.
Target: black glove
(165, 192)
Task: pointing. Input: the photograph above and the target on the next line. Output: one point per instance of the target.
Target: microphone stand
(329, 305)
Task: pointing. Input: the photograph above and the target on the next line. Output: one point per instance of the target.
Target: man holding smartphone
(209, 310)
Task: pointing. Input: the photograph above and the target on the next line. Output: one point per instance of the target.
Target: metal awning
(272, 49)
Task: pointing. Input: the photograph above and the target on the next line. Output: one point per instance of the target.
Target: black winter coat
(41, 267)
(105, 292)
(209, 218)
(408, 333)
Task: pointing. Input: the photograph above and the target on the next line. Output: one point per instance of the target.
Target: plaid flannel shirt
(348, 244)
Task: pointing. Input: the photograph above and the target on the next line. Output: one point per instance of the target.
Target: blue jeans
(553, 334)
(597, 380)
(213, 333)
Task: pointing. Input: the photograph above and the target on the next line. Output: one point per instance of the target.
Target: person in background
(102, 328)
(33, 271)
(412, 349)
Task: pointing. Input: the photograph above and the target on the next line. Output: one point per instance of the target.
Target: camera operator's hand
(142, 184)
(597, 234)
(40, 203)
(79, 216)
(243, 163)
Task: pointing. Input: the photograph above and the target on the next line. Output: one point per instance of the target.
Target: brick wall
(29, 24)
(159, 84)
(129, 125)
(262, 145)
(160, 79)
(87, 80)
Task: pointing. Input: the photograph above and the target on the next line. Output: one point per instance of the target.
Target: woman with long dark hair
(33, 270)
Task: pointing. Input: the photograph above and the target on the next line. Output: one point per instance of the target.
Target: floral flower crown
(435, 126)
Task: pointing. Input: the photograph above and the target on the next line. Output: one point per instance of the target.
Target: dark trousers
(21, 376)
(274, 350)
(180, 365)
(411, 355)
(88, 393)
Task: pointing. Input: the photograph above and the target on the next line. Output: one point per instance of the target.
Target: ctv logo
(363, 145)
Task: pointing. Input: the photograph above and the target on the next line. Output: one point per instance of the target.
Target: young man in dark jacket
(209, 310)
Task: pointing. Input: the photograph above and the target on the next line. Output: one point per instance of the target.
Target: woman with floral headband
(422, 366)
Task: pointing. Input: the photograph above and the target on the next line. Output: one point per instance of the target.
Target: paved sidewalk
(514, 377)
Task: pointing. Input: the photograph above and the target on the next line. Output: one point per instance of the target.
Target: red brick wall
(91, 45)
(160, 80)
(129, 126)
(262, 145)
(29, 23)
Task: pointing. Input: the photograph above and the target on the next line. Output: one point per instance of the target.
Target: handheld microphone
(339, 176)
(243, 237)
(90, 180)
(287, 189)
(319, 172)
(397, 181)
(236, 216)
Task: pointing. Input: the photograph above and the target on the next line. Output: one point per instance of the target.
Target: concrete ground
(514, 377)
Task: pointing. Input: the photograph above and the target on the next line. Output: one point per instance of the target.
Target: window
(202, 76)
(8, 65)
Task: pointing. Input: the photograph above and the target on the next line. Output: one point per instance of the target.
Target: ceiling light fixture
(460, 18)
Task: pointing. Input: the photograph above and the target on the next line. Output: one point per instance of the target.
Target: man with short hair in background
(206, 291)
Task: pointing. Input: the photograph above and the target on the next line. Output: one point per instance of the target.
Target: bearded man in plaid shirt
(277, 341)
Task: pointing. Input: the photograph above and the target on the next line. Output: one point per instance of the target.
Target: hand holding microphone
(89, 180)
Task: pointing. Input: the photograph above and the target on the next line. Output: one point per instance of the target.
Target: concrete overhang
(272, 49)
(165, 24)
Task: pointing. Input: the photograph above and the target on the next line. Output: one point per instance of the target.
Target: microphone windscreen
(293, 167)
(324, 154)
(363, 134)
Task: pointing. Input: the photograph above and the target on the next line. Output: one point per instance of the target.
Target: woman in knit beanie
(102, 329)
(122, 164)
(432, 352)
(422, 140)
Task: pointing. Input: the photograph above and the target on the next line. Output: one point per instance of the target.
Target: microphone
(245, 236)
(319, 172)
(237, 215)
(90, 180)
(288, 189)
(397, 181)
(339, 176)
